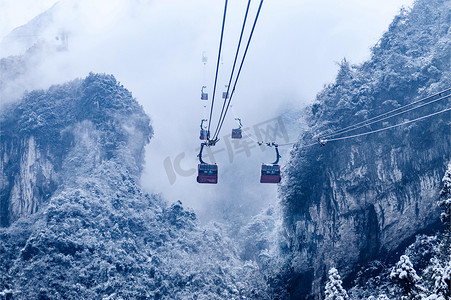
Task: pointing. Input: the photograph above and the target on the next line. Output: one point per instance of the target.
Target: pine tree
(334, 289)
(441, 277)
(441, 265)
(405, 275)
(445, 217)
(445, 197)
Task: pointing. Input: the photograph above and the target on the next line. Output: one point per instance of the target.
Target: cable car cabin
(203, 95)
(270, 173)
(204, 134)
(224, 95)
(207, 173)
(236, 133)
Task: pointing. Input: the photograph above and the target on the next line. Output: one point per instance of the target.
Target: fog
(154, 48)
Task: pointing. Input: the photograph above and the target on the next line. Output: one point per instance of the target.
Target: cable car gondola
(270, 173)
(225, 94)
(236, 132)
(206, 173)
(204, 133)
(203, 95)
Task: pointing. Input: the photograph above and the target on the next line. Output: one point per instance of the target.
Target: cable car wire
(373, 131)
(239, 71)
(304, 146)
(234, 64)
(387, 113)
(389, 127)
(329, 137)
(386, 118)
(217, 64)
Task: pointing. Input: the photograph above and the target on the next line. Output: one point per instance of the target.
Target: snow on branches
(334, 289)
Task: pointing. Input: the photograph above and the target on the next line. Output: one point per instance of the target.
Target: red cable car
(236, 132)
(270, 173)
(206, 173)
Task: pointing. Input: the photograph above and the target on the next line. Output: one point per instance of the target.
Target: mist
(154, 48)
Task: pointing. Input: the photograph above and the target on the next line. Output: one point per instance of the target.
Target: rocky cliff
(76, 224)
(357, 199)
(38, 134)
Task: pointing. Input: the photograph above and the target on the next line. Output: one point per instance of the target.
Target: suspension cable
(386, 128)
(217, 64)
(239, 70)
(388, 117)
(303, 146)
(373, 131)
(387, 113)
(234, 64)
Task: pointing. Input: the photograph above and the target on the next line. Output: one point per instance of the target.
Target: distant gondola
(204, 133)
(236, 132)
(203, 95)
(225, 94)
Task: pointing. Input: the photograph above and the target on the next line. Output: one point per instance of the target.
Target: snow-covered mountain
(358, 199)
(76, 224)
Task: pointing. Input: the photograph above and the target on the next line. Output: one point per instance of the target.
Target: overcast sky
(154, 48)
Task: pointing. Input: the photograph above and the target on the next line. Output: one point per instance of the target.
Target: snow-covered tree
(405, 275)
(441, 277)
(445, 204)
(438, 272)
(445, 195)
(334, 289)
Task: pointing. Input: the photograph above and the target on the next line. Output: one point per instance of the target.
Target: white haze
(154, 49)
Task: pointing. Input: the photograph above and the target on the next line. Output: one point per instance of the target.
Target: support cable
(217, 64)
(386, 118)
(386, 128)
(234, 64)
(387, 113)
(239, 71)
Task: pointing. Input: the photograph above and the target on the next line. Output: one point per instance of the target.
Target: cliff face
(35, 180)
(357, 199)
(37, 135)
